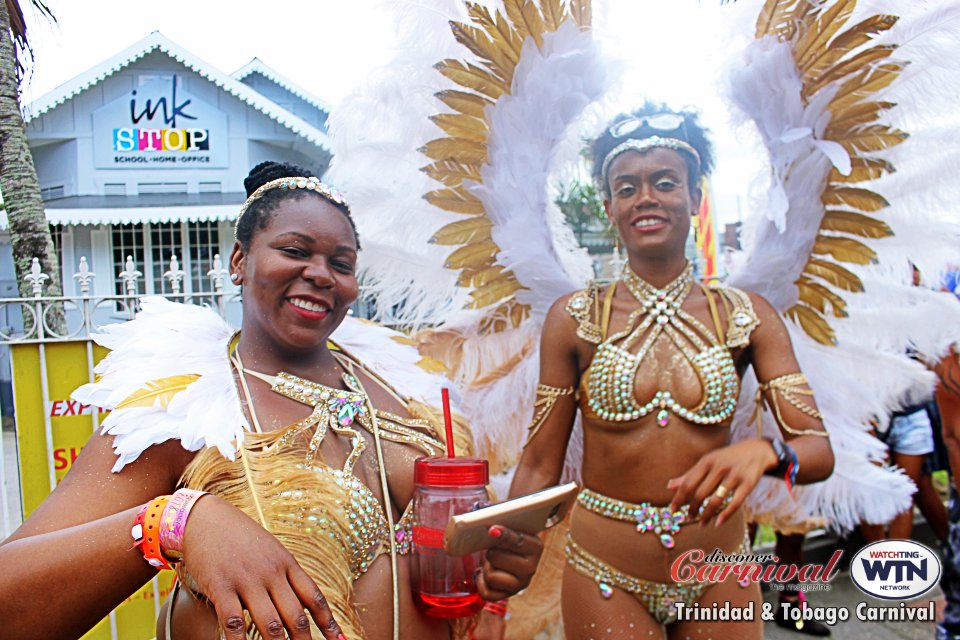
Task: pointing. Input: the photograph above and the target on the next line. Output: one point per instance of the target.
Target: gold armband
(546, 397)
(793, 388)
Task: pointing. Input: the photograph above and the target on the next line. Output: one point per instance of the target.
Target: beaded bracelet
(787, 462)
(146, 532)
(498, 608)
(174, 520)
(790, 477)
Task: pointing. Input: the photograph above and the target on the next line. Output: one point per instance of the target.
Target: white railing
(32, 319)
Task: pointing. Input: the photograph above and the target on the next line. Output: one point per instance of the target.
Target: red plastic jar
(445, 586)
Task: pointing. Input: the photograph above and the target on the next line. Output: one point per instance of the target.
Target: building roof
(153, 208)
(156, 41)
(257, 66)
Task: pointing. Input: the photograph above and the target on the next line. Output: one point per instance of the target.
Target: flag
(706, 234)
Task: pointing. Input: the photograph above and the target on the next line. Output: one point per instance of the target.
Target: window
(52, 193)
(127, 240)
(56, 234)
(153, 245)
(166, 240)
(203, 242)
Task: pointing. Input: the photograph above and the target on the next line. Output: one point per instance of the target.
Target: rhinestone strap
(790, 387)
(659, 598)
(580, 306)
(743, 319)
(335, 409)
(547, 396)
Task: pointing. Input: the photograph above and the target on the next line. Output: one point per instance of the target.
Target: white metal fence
(43, 320)
(46, 319)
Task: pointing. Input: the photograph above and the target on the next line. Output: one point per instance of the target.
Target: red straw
(447, 421)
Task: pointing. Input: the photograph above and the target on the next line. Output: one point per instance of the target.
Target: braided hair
(691, 132)
(259, 212)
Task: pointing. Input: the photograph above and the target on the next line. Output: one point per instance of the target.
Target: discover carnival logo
(895, 569)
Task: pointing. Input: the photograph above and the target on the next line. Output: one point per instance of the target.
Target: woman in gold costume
(653, 364)
(306, 452)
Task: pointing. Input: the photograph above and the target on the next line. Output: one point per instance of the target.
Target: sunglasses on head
(660, 122)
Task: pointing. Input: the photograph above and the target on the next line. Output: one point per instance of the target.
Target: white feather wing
(867, 374)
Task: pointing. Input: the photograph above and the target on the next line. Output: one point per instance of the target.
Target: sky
(672, 51)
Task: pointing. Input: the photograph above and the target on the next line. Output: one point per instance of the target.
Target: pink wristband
(174, 520)
(497, 608)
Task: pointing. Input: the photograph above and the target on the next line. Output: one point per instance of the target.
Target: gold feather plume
(495, 41)
(159, 391)
(827, 51)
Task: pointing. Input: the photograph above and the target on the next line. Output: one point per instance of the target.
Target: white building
(145, 154)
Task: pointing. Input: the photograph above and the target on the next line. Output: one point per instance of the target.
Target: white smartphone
(468, 532)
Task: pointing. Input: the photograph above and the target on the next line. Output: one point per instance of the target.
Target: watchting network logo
(895, 569)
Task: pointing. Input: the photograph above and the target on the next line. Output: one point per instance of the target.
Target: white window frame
(147, 285)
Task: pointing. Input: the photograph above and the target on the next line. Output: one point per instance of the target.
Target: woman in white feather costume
(653, 362)
(307, 455)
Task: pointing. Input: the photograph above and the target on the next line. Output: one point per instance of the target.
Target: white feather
(167, 339)
(376, 133)
(170, 339)
(868, 373)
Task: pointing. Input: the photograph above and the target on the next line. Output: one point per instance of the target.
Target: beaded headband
(294, 182)
(645, 144)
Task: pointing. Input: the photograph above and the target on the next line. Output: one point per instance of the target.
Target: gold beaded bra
(608, 386)
(367, 533)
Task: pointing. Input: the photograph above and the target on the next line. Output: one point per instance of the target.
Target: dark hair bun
(259, 211)
(270, 170)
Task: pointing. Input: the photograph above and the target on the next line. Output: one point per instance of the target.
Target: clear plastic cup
(445, 586)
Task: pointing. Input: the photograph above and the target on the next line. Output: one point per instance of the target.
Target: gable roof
(257, 66)
(156, 41)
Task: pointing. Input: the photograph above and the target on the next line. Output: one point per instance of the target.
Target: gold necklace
(333, 409)
(661, 302)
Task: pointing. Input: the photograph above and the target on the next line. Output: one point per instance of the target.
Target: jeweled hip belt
(647, 517)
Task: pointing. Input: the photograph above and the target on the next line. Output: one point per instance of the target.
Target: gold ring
(721, 492)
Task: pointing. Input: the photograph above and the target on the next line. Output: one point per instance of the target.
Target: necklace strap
(641, 289)
(607, 309)
(238, 364)
(271, 380)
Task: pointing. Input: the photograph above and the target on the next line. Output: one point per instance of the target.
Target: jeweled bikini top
(608, 387)
(341, 410)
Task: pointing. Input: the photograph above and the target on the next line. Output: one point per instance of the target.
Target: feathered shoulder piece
(167, 376)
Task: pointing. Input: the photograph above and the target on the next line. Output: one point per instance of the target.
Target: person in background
(910, 441)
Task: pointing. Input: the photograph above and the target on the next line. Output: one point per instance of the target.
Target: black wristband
(785, 456)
